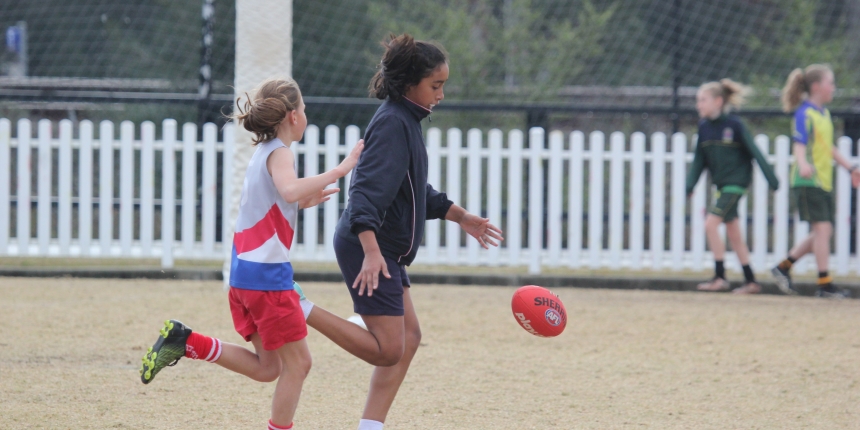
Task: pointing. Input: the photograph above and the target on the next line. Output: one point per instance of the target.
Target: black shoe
(783, 281)
(167, 351)
(829, 291)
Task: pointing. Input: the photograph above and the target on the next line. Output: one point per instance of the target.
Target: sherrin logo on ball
(538, 311)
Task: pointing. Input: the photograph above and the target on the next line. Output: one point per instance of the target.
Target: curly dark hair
(405, 63)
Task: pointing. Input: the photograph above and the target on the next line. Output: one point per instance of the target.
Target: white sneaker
(357, 320)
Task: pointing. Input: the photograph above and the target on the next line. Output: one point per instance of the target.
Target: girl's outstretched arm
(477, 227)
(292, 188)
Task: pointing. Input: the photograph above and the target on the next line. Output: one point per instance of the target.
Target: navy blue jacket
(389, 193)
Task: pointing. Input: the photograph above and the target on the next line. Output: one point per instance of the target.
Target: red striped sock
(200, 347)
(273, 426)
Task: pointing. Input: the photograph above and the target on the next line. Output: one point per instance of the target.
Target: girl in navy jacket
(383, 225)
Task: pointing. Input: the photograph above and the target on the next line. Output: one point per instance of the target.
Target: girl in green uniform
(726, 149)
(805, 93)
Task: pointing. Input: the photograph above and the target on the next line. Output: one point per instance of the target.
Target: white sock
(369, 425)
(306, 305)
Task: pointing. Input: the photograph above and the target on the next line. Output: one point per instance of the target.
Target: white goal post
(264, 48)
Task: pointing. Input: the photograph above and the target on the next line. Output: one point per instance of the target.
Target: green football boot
(166, 351)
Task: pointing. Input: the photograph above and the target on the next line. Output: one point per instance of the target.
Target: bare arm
(477, 227)
(802, 163)
(292, 188)
(842, 161)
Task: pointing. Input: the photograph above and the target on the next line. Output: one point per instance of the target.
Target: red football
(539, 311)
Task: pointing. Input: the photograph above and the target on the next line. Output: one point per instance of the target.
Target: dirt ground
(70, 351)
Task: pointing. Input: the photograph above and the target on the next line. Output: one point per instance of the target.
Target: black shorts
(387, 299)
(814, 204)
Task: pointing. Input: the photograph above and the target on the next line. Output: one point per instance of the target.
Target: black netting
(621, 54)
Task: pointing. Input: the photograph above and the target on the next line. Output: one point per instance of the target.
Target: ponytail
(798, 84)
(733, 93)
(404, 64)
(263, 113)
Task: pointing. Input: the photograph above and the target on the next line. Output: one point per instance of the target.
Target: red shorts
(276, 315)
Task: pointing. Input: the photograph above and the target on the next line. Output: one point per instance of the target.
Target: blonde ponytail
(733, 93)
(797, 85)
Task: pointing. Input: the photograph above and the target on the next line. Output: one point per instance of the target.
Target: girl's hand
(806, 170)
(320, 197)
(368, 278)
(352, 159)
(855, 178)
(482, 230)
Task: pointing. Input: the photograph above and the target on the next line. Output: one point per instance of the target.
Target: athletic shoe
(829, 291)
(716, 284)
(166, 351)
(748, 288)
(783, 281)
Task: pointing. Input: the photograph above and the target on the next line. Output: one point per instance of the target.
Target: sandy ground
(70, 351)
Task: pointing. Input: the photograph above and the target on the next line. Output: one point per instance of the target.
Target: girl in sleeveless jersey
(806, 92)
(726, 149)
(266, 309)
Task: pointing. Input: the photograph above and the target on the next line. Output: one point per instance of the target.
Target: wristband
(853, 168)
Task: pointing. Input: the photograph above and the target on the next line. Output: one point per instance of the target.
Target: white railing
(565, 201)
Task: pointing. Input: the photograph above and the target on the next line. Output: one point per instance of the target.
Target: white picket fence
(553, 214)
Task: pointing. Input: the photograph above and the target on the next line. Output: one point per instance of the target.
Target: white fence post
(536, 202)
(698, 211)
(679, 199)
(637, 199)
(64, 188)
(5, 171)
(473, 188)
(330, 212)
(227, 192)
(452, 187)
(25, 133)
(311, 215)
(434, 174)
(494, 189)
(105, 187)
(842, 227)
(760, 194)
(555, 200)
(85, 188)
(574, 198)
(595, 199)
(168, 192)
(126, 187)
(147, 185)
(209, 189)
(515, 196)
(352, 138)
(43, 203)
(658, 200)
(188, 230)
(780, 206)
(616, 199)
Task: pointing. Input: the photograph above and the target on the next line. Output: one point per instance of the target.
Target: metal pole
(676, 60)
(204, 103)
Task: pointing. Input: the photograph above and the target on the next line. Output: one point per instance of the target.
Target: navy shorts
(387, 299)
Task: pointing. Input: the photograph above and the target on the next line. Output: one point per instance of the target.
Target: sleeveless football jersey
(264, 229)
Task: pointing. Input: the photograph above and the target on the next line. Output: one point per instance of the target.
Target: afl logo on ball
(552, 317)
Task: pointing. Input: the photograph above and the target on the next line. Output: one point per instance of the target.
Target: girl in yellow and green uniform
(806, 93)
